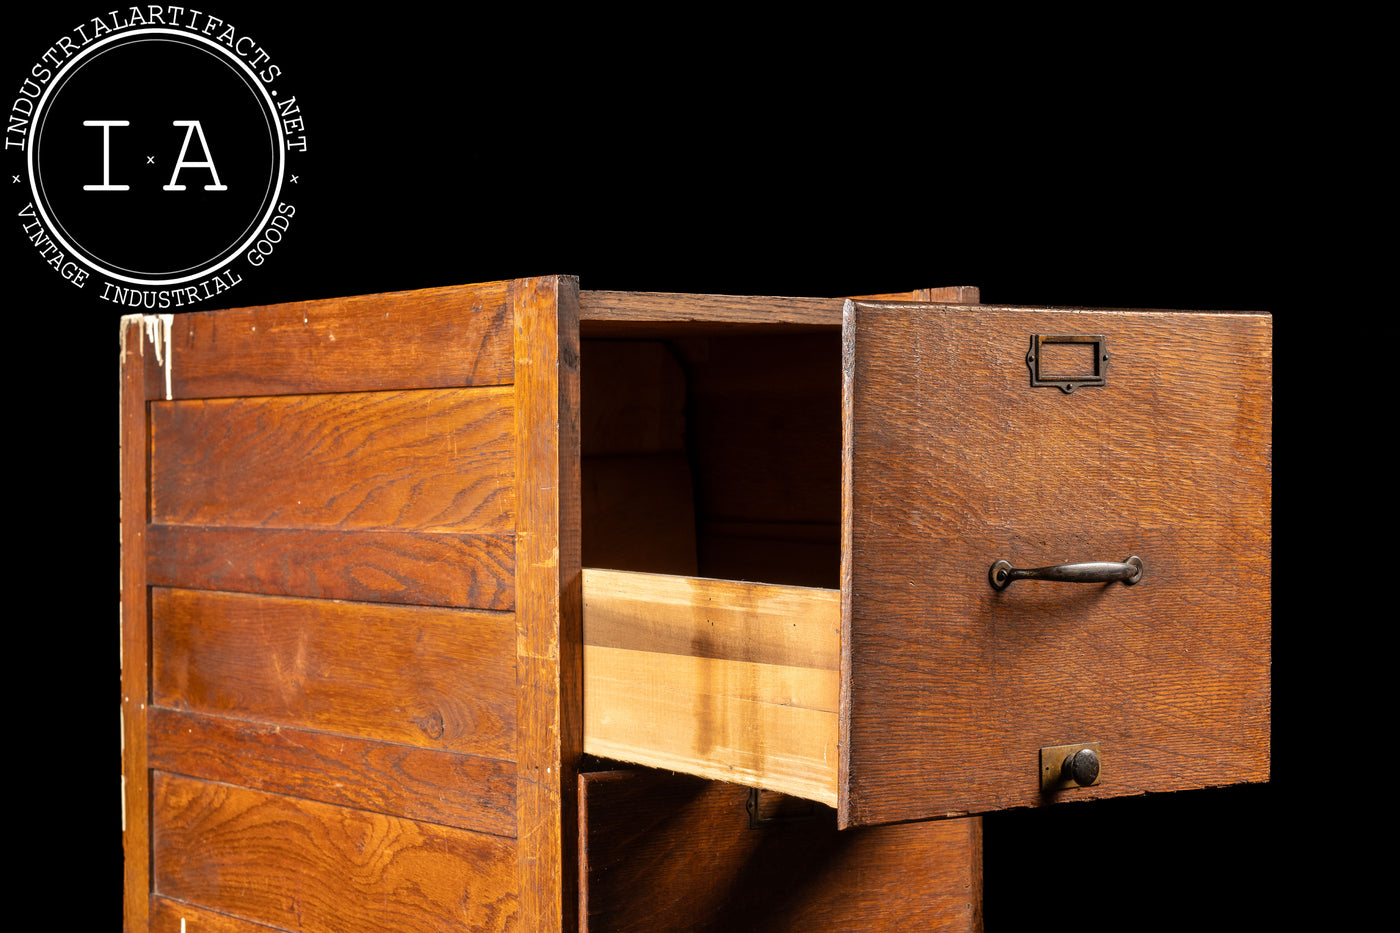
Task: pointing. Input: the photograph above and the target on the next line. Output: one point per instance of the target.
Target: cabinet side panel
(327, 521)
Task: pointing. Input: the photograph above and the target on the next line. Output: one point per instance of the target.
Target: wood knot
(431, 724)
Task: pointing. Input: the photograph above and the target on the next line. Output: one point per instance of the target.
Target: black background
(1047, 161)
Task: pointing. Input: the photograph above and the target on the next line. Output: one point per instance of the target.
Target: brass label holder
(1048, 372)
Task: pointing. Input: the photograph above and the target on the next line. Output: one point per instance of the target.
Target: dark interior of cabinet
(714, 455)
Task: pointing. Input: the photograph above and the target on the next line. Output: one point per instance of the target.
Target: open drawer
(865, 481)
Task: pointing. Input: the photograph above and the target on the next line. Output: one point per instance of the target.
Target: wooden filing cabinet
(368, 683)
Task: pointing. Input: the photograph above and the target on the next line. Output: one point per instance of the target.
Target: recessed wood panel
(435, 337)
(957, 461)
(413, 568)
(313, 867)
(466, 791)
(167, 914)
(435, 678)
(433, 460)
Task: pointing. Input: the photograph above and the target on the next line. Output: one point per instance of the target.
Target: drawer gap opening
(711, 503)
(714, 456)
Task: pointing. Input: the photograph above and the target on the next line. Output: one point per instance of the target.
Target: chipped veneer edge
(156, 328)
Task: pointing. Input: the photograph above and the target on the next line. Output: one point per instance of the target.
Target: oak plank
(954, 461)
(437, 337)
(474, 571)
(643, 834)
(302, 865)
(424, 676)
(549, 640)
(465, 791)
(433, 460)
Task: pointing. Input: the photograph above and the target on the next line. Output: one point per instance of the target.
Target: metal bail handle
(1128, 572)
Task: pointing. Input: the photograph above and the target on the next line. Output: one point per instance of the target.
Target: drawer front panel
(954, 461)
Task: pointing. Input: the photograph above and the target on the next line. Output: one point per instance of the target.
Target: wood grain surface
(412, 568)
(307, 866)
(436, 337)
(954, 462)
(466, 791)
(430, 677)
(721, 619)
(549, 636)
(728, 680)
(332, 498)
(433, 460)
(167, 913)
(671, 314)
(666, 853)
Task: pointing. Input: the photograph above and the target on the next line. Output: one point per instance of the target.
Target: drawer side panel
(727, 680)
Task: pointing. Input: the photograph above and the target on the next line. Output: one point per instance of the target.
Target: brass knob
(1082, 767)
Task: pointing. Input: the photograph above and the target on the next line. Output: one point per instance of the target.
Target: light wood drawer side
(726, 680)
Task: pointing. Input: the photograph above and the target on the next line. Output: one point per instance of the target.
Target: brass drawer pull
(1128, 572)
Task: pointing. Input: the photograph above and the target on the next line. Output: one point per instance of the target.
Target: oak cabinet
(404, 574)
